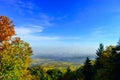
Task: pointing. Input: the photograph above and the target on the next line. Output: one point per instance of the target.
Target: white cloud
(28, 29)
(38, 38)
(29, 33)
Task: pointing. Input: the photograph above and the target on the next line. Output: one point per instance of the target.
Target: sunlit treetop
(6, 28)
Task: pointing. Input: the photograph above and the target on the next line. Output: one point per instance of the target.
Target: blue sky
(64, 26)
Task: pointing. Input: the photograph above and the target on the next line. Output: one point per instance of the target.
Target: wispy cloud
(28, 29)
(34, 33)
(30, 12)
(45, 19)
(29, 33)
(22, 7)
(98, 32)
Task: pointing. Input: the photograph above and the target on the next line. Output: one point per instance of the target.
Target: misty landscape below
(74, 59)
(59, 39)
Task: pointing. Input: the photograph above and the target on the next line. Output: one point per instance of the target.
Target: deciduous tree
(14, 53)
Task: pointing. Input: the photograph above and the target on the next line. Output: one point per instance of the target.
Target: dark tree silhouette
(99, 52)
(87, 70)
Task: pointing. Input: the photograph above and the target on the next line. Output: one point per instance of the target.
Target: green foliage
(115, 63)
(100, 50)
(14, 54)
(38, 73)
(68, 75)
(73, 75)
(87, 70)
(14, 60)
(79, 74)
(110, 62)
(99, 53)
(55, 74)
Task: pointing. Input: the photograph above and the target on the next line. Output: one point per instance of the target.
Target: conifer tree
(99, 53)
(87, 70)
(115, 63)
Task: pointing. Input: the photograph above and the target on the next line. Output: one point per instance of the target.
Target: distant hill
(59, 61)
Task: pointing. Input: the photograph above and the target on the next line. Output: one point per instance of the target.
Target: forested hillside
(15, 61)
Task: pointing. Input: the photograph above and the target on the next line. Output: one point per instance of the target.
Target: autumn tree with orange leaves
(14, 53)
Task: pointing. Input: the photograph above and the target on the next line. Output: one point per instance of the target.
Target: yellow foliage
(14, 53)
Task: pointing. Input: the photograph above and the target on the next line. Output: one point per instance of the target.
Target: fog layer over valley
(71, 55)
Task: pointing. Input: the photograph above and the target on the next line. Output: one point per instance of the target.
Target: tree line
(15, 61)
